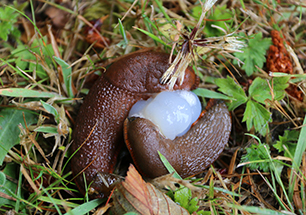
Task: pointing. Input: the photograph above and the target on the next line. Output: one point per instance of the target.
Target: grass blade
(86, 207)
(66, 75)
(22, 92)
(297, 159)
(157, 39)
(169, 166)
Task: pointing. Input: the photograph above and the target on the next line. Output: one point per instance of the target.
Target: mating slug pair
(101, 125)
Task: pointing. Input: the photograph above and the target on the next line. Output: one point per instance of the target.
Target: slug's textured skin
(189, 154)
(98, 132)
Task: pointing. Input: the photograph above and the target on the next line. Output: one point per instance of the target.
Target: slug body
(189, 154)
(98, 132)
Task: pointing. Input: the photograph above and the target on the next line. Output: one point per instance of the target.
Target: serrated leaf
(233, 90)
(254, 54)
(9, 132)
(260, 91)
(256, 115)
(258, 156)
(8, 18)
(289, 140)
(183, 198)
(135, 195)
(193, 205)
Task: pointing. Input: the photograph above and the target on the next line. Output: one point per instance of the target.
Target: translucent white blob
(173, 112)
(193, 101)
(136, 110)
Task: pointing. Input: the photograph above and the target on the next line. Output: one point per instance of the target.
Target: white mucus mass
(173, 112)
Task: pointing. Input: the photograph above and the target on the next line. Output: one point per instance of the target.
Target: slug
(188, 154)
(103, 125)
(98, 131)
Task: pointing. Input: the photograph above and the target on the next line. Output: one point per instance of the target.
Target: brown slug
(189, 154)
(98, 132)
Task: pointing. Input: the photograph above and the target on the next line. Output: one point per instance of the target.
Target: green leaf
(8, 18)
(23, 55)
(183, 198)
(47, 129)
(260, 90)
(256, 210)
(210, 94)
(51, 110)
(67, 72)
(201, 212)
(168, 166)
(254, 54)
(256, 115)
(22, 92)
(86, 207)
(162, 9)
(193, 205)
(2, 178)
(29, 62)
(279, 86)
(289, 140)
(258, 156)
(157, 39)
(57, 201)
(8, 186)
(219, 13)
(122, 32)
(9, 132)
(299, 151)
(233, 90)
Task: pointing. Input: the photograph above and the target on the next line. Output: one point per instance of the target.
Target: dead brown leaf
(135, 195)
(58, 17)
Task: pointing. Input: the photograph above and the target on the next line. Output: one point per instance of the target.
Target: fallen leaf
(135, 195)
